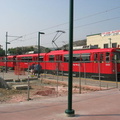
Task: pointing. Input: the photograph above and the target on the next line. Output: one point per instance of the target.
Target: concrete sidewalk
(99, 105)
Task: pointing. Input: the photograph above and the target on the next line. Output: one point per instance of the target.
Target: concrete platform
(20, 87)
(26, 79)
(9, 80)
(99, 105)
(16, 80)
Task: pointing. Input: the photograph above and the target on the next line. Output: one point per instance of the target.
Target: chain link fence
(53, 81)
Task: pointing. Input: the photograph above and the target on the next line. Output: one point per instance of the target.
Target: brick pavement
(99, 105)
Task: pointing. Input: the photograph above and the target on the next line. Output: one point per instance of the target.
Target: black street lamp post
(70, 112)
(39, 50)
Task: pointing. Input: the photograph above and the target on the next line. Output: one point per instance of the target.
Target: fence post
(116, 74)
(79, 79)
(3, 74)
(28, 90)
(62, 71)
(18, 73)
(99, 74)
(45, 69)
(85, 72)
(57, 76)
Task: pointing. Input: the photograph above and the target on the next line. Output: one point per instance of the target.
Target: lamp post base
(70, 113)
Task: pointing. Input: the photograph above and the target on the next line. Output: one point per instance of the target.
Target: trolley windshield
(116, 56)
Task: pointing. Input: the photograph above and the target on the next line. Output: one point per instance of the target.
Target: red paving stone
(99, 105)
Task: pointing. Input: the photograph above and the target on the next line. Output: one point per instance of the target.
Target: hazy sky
(27, 17)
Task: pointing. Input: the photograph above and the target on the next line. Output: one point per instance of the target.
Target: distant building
(30, 52)
(109, 39)
(42, 49)
(84, 47)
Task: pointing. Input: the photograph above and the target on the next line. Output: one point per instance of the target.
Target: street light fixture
(39, 49)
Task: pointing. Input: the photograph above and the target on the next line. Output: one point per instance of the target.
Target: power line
(74, 20)
(83, 25)
(82, 18)
(98, 13)
(15, 39)
(98, 22)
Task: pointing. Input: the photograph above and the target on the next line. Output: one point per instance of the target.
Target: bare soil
(38, 91)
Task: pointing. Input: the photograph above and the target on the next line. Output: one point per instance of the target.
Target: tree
(15, 51)
(47, 50)
(2, 52)
(20, 50)
(12, 51)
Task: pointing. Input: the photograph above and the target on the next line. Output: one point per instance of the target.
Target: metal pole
(28, 81)
(57, 77)
(99, 74)
(79, 79)
(6, 52)
(70, 112)
(62, 71)
(116, 74)
(85, 72)
(39, 50)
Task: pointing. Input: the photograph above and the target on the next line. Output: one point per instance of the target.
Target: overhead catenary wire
(76, 27)
(98, 22)
(15, 38)
(88, 16)
(98, 13)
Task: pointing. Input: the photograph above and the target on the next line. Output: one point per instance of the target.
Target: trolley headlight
(113, 70)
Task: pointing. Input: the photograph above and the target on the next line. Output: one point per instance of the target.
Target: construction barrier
(19, 71)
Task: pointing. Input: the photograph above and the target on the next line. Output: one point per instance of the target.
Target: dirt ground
(39, 91)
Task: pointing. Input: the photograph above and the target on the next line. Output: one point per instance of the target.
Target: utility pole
(6, 67)
(6, 53)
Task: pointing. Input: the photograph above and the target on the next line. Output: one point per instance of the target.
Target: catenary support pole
(6, 52)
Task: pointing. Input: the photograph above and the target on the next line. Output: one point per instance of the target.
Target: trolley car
(92, 63)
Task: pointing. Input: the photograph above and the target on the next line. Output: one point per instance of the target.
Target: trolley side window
(116, 57)
(101, 57)
(76, 57)
(40, 58)
(26, 58)
(66, 58)
(51, 58)
(58, 57)
(85, 57)
(95, 57)
(107, 57)
(35, 58)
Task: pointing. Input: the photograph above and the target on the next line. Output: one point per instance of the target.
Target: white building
(104, 40)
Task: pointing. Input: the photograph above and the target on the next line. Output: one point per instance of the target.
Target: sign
(111, 33)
